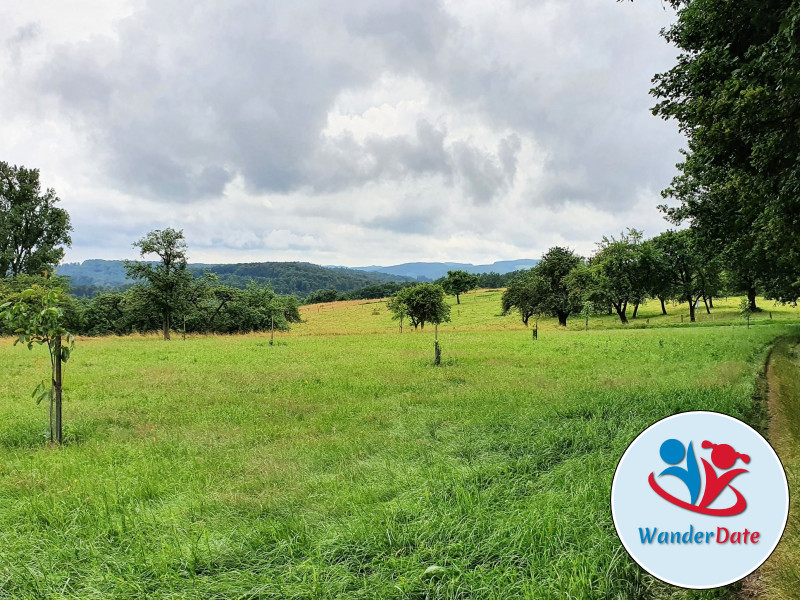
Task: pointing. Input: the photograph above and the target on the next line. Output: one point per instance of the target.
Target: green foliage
(36, 318)
(378, 290)
(493, 280)
(321, 296)
(33, 230)
(686, 268)
(555, 287)
(421, 303)
(170, 285)
(97, 276)
(523, 293)
(459, 282)
(617, 272)
(734, 95)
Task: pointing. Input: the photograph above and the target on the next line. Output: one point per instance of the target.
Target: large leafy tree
(685, 266)
(459, 282)
(423, 303)
(546, 289)
(735, 93)
(523, 294)
(33, 230)
(169, 282)
(616, 272)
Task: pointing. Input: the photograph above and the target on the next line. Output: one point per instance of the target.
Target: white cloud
(340, 132)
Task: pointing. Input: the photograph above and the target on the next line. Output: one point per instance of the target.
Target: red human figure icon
(724, 457)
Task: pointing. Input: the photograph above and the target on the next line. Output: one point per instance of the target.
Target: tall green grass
(347, 466)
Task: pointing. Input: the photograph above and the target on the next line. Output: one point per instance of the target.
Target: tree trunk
(562, 319)
(751, 298)
(458, 299)
(57, 388)
(621, 312)
(663, 308)
(705, 301)
(635, 309)
(166, 326)
(711, 301)
(691, 309)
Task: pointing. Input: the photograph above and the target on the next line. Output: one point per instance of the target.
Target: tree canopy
(734, 93)
(545, 289)
(169, 280)
(423, 303)
(33, 230)
(459, 282)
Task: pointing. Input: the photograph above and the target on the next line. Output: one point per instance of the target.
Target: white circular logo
(699, 500)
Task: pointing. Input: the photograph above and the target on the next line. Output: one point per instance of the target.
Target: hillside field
(339, 463)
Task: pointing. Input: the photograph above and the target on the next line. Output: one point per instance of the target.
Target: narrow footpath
(779, 577)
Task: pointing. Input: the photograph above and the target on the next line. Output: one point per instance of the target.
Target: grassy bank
(346, 466)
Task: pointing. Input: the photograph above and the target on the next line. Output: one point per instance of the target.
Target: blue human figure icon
(672, 452)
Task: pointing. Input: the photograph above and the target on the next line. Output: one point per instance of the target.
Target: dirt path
(779, 577)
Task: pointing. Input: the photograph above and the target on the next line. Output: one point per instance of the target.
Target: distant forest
(96, 276)
(305, 280)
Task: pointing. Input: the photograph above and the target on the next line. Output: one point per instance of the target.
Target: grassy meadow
(339, 463)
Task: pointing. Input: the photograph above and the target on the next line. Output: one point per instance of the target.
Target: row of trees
(167, 297)
(621, 275)
(455, 284)
(734, 93)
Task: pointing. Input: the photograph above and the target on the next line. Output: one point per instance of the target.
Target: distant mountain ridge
(95, 275)
(435, 270)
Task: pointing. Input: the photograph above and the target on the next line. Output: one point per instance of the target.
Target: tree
(616, 272)
(167, 280)
(554, 269)
(36, 317)
(734, 95)
(685, 265)
(398, 307)
(320, 296)
(423, 303)
(33, 230)
(656, 272)
(523, 294)
(546, 288)
(459, 282)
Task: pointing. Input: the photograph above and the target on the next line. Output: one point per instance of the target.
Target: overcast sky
(340, 131)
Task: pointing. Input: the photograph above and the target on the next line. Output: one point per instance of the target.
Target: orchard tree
(685, 265)
(33, 230)
(616, 271)
(554, 269)
(423, 303)
(36, 317)
(459, 282)
(546, 289)
(168, 280)
(398, 307)
(523, 294)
